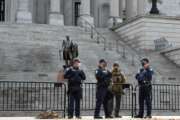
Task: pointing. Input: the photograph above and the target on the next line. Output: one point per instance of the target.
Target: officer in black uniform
(103, 77)
(75, 77)
(144, 78)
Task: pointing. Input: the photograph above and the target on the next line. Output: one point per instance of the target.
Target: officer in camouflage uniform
(117, 88)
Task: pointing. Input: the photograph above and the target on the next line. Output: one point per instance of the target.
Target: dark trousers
(108, 103)
(104, 97)
(100, 99)
(117, 105)
(74, 102)
(145, 96)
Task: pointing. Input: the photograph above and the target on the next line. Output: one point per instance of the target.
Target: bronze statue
(70, 50)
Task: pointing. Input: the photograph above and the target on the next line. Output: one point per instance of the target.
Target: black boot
(148, 116)
(98, 117)
(138, 116)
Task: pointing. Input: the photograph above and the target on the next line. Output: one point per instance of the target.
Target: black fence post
(64, 100)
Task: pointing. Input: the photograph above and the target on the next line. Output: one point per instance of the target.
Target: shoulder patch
(96, 71)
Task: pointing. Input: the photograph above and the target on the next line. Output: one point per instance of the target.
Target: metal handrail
(139, 55)
(96, 31)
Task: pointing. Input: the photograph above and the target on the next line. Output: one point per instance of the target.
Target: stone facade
(101, 13)
(173, 55)
(143, 31)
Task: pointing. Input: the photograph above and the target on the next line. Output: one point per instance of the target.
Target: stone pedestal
(113, 21)
(55, 16)
(23, 13)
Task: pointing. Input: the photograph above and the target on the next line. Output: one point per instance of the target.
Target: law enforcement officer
(117, 88)
(144, 78)
(103, 77)
(75, 77)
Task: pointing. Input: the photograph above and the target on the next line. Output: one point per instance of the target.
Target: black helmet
(102, 61)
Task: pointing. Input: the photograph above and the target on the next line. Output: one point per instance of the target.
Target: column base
(86, 21)
(56, 19)
(113, 21)
(24, 17)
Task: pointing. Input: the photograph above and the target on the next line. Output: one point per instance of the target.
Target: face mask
(143, 63)
(115, 68)
(79, 64)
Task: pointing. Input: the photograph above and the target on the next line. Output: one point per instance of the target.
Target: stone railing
(173, 55)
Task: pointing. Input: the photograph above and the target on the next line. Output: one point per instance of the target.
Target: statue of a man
(154, 9)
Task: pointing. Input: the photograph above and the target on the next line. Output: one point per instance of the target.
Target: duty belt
(144, 82)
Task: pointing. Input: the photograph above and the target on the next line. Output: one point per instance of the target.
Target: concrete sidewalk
(91, 118)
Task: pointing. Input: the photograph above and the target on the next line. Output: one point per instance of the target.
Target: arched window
(2, 10)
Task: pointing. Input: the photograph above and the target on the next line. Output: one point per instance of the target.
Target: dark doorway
(2, 10)
(76, 12)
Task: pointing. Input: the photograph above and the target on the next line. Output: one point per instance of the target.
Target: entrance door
(2, 10)
(76, 12)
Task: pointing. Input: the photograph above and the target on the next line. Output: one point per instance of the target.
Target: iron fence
(89, 98)
(43, 96)
(32, 96)
(165, 97)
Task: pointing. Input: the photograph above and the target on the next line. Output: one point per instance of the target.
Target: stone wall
(173, 54)
(31, 52)
(141, 32)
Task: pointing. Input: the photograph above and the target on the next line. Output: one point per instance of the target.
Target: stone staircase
(165, 70)
(30, 52)
(172, 54)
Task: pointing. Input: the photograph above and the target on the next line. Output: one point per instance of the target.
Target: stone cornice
(145, 16)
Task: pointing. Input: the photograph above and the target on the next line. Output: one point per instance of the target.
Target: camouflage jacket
(117, 80)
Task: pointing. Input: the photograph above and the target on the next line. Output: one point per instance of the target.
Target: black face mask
(143, 64)
(116, 69)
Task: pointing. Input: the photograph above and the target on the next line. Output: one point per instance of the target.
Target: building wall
(173, 55)
(101, 10)
(141, 32)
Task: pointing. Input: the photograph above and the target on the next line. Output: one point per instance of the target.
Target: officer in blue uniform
(75, 77)
(103, 77)
(144, 78)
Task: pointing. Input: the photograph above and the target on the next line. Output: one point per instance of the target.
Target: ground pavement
(91, 118)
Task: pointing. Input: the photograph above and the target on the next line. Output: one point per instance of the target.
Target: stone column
(141, 7)
(55, 16)
(122, 6)
(85, 14)
(23, 13)
(114, 13)
(131, 8)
